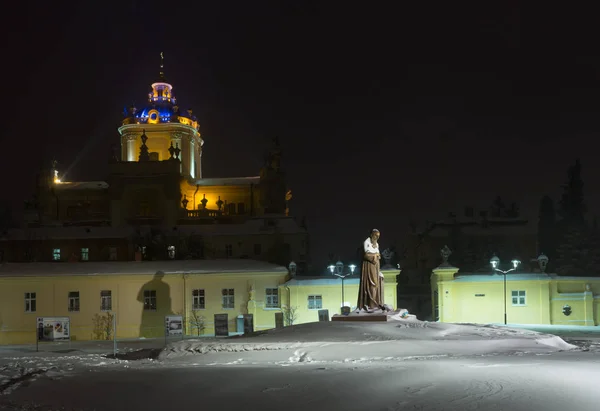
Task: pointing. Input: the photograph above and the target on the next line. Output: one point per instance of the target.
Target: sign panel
(221, 325)
(248, 323)
(278, 320)
(54, 328)
(174, 325)
(323, 315)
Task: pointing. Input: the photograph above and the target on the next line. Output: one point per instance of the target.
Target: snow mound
(400, 339)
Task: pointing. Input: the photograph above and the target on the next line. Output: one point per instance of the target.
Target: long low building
(529, 298)
(142, 294)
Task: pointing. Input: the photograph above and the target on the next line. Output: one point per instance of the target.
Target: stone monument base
(362, 316)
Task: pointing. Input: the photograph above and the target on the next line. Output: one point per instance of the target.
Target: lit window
(105, 300)
(228, 298)
(198, 299)
(518, 298)
(315, 302)
(30, 302)
(149, 300)
(171, 250)
(74, 301)
(85, 254)
(112, 253)
(56, 254)
(228, 250)
(272, 298)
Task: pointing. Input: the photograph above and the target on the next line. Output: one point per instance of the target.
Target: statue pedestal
(363, 316)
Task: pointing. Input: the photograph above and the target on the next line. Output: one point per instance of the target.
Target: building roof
(65, 233)
(228, 181)
(284, 225)
(82, 185)
(138, 267)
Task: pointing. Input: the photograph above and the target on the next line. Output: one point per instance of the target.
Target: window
(228, 250)
(198, 299)
(171, 250)
(112, 253)
(272, 298)
(257, 249)
(228, 298)
(85, 254)
(56, 254)
(315, 302)
(149, 300)
(518, 298)
(74, 301)
(30, 305)
(105, 300)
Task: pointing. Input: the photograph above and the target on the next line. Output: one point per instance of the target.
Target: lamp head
(352, 267)
(515, 263)
(494, 261)
(331, 268)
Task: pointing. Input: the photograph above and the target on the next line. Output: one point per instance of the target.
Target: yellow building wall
(18, 326)
(174, 296)
(470, 301)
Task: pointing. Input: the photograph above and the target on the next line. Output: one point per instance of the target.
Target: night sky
(384, 114)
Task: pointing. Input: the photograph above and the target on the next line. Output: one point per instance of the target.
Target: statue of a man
(370, 295)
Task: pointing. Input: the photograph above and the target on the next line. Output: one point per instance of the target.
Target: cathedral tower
(170, 133)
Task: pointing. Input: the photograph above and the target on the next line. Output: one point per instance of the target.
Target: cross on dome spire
(162, 67)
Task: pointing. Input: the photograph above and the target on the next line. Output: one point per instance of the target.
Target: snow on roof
(82, 185)
(322, 281)
(60, 232)
(230, 181)
(476, 278)
(138, 267)
(472, 277)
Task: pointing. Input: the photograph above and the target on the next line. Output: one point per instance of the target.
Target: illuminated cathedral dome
(162, 106)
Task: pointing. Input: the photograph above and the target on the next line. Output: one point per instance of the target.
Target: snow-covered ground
(398, 365)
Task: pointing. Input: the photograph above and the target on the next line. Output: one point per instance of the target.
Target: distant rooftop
(231, 181)
(138, 267)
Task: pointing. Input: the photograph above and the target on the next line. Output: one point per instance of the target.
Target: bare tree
(196, 322)
(290, 314)
(103, 326)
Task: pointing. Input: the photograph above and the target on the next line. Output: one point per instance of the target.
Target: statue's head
(375, 234)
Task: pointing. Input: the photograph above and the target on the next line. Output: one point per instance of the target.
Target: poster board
(221, 325)
(248, 323)
(173, 325)
(278, 320)
(53, 329)
(323, 315)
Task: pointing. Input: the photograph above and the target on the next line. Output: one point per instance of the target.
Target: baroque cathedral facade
(155, 203)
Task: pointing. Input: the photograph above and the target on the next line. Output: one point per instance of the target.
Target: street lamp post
(337, 270)
(495, 262)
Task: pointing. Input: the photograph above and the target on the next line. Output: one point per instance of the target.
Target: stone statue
(387, 255)
(370, 291)
(445, 253)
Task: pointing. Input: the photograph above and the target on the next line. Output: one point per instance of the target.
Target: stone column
(192, 156)
(588, 301)
(131, 147)
(441, 277)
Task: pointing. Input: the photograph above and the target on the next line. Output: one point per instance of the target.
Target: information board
(53, 328)
(173, 325)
